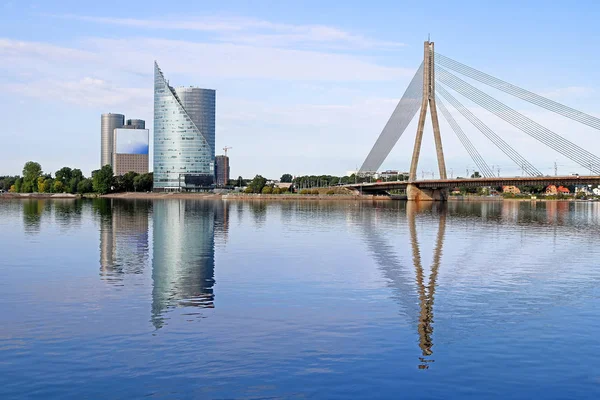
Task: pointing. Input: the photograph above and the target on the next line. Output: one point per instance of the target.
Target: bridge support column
(414, 193)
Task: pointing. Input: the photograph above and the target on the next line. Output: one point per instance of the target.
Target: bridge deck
(479, 182)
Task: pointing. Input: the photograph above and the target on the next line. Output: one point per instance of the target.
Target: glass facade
(182, 149)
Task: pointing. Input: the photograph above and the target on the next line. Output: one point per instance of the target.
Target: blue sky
(302, 87)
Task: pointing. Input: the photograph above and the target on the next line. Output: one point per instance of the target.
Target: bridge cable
(489, 133)
(525, 124)
(558, 145)
(516, 91)
(475, 156)
(528, 126)
(404, 112)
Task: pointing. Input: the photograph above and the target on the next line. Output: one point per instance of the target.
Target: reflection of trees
(32, 215)
(67, 212)
(259, 211)
(184, 254)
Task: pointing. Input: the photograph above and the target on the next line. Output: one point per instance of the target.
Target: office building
(184, 131)
(130, 151)
(221, 170)
(109, 122)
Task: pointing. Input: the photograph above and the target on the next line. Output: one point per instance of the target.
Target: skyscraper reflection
(183, 262)
(123, 237)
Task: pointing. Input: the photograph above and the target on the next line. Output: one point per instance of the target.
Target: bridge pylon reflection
(425, 288)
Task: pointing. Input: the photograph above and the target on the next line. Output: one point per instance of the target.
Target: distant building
(583, 189)
(184, 136)
(108, 123)
(596, 191)
(563, 190)
(222, 170)
(511, 189)
(130, 150)
(551, 190)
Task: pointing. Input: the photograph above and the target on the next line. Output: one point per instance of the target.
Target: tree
(18, 186)
(59, 187)
(128, 181)
(41, 183)
(257, 184)
(286, 178)
(476, 175)
(85, 186)
(143, 182)
(102, 179)
(267, 190)
(64, 175)
(76, 177)
(31, 172)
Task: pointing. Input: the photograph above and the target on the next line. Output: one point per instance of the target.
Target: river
(170, 299)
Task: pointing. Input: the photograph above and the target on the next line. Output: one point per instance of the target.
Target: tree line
(72, 180)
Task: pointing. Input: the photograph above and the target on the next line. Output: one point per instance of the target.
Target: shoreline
(254, 197)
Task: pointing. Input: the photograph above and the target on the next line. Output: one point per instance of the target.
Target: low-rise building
(511, 189)
(551, 190)
(130, 151)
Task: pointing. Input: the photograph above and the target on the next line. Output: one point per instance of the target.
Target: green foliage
(40, 184)
(314, 191)
(18, 186)
(59, 187)
(276, 190)
(476, 175)
(31, 172)
(102, 179)
(267, 190)
(143, 182)
(257, 184)
(85, 186)
(7, 181)
(330, 192)
(286, 178)
(248, 190)
(63, 175)
(305, 191)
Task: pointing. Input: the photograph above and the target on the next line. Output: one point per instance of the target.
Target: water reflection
(426, 292)
(416, 300)
(183, 263)
(123, 237)
(32, 215)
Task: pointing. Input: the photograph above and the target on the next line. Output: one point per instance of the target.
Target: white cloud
(252, 31)
(85, 92)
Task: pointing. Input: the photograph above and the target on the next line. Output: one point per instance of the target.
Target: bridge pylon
(413, 192)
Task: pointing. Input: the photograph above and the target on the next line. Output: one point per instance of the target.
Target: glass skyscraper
(184, 136)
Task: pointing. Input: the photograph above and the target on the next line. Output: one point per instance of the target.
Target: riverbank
(11, 196)
(159, 196)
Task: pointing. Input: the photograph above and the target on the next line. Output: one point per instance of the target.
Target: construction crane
(225, 149)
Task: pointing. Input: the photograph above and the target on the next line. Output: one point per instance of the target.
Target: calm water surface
(191, 299)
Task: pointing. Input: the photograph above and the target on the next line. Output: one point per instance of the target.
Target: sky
(302, 87)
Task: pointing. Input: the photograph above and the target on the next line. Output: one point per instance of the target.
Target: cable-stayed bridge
(434, 84)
